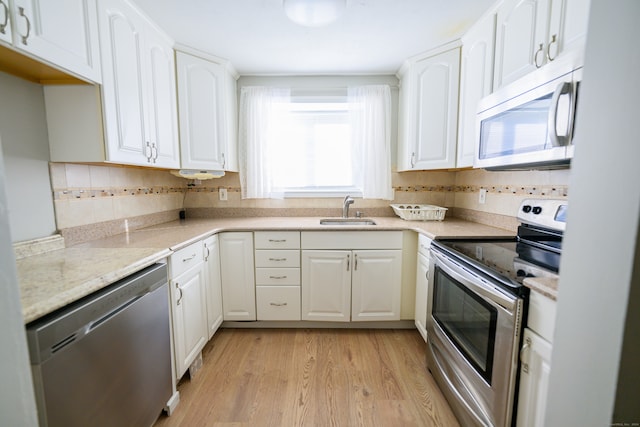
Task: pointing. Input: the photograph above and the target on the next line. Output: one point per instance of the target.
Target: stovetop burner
(533, 252)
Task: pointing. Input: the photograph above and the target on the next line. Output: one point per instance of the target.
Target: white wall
(17, 404)
(23, 129)
(597, 270)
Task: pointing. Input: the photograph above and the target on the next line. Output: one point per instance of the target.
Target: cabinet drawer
(424, 243)
(277, 239)
(186, 258)
(278, 276)
(278, 302)
(278, 258)
(352, 240)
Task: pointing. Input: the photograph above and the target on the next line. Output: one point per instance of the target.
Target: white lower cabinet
(535, 361)
(326, 285)
(277, 259)
(188, 305)
(213, 284)
(237, 274)
(422, 285)
(343, 285)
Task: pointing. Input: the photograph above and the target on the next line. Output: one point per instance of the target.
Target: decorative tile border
(70, 194)
(556, 190)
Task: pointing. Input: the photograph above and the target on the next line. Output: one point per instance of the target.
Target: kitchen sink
(347, 221)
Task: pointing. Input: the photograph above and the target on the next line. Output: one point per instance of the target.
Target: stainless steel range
(477, 307)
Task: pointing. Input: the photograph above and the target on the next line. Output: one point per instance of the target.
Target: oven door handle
(474, 282)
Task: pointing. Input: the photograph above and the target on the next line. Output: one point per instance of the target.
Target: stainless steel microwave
(529, 124)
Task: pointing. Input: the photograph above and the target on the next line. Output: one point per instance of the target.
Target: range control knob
(537, 210)
(526, 208)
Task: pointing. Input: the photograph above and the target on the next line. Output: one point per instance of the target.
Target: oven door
(473, 333)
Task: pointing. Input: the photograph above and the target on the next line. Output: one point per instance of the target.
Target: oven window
(468, 321)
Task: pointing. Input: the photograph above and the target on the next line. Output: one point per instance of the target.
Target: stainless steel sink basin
(347, 221)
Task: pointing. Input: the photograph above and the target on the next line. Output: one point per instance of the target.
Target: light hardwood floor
(311, 377)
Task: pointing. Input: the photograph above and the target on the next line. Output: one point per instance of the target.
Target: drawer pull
(278, 304)
(277, 240)
(189, 258)
(277, 277)
(277, 259)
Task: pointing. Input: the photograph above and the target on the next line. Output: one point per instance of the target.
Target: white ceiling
(371, 37)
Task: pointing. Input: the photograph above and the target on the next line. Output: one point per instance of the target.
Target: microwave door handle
(564, 88)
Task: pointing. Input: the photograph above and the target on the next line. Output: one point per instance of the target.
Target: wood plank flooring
(311, 377)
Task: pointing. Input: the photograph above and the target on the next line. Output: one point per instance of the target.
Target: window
(319, 146)
(312, 153)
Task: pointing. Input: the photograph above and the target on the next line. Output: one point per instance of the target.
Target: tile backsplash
(88, 195)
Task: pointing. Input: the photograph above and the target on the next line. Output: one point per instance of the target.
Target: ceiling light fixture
(314, 13)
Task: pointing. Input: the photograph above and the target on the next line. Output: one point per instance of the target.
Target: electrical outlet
(482, 197)
(222, 192)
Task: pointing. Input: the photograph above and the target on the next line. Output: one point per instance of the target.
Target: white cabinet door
(189, 313)
(376, 285)
(520, 39)
(138, 90)
(429, 113)
(64, 34)
(161, 101)
(213, 284)
(237, 273)
(534, 380)
(422, 285)
(326, 285)
(476, 80)
(200, 84)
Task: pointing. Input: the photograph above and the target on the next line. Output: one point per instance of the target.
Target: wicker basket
(419, 212)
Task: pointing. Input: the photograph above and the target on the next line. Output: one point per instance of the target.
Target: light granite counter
(51, 280)
(547, 286)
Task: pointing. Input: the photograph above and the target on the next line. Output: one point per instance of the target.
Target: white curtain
(259, 108)
(370, 113)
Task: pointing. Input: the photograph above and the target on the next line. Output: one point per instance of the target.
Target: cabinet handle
(348, 261)
(278, 304)
(206, 257)
(189, 258)
(178, 288)
(26, 18)
(154, 152)
(277, 259)
(535, 56)
(525, 366)
(277, 277)
(554, 40)
(6, 17)
(277, 240)
(147, 152)
(413, 159)
(355, 262)
(224, 161)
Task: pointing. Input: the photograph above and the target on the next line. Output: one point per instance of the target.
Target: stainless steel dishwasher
(106, 359)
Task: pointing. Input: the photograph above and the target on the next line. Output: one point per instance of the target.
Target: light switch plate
(222, 193)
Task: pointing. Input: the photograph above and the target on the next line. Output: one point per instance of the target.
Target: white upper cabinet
(207, 112)
(476, 82)
(138, 91)
(532, 33)
(64, 35)
(429, 111)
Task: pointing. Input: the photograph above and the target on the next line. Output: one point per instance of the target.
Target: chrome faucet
(345, 206)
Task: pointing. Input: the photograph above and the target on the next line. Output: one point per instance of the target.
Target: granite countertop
(53, 279)
(547, 286)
